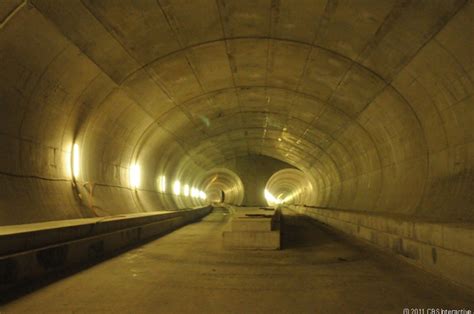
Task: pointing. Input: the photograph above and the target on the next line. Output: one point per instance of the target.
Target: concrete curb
(22, 267)
(445, 250)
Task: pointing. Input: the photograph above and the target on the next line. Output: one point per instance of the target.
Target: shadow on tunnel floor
(302, 232)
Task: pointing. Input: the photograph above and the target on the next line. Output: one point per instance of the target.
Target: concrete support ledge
(52, 249)
(253, 229)
(444, 249)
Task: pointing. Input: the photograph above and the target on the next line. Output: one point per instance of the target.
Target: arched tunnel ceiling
(366, 96)
(208, 60)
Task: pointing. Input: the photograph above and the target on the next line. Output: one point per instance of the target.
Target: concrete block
(429, 233)
(400, 227)
(459, 238)
(381, 239)
(365, 233)
(254, 229)
(428, 256)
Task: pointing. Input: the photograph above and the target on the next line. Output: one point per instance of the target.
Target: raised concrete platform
(24, 237)
(445, 249)
(254, 229)
(31, 251)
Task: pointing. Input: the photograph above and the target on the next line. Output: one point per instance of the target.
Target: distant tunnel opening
(290, 186)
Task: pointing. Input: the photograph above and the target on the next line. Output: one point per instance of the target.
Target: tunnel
(133, 132)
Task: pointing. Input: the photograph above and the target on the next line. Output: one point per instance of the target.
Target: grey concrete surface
(372, 99)
(188, 271)
(446, 249)
(370, 103)
(29, 257)
(255, 171)
(25, 237)
(253, 229)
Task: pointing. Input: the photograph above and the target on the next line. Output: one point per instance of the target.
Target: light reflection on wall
(291, 186)
(162, 184)
(177, 188)
(75, 161)
(272, 200)
(135, 176)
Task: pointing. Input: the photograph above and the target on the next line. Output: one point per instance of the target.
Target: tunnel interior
(132, 118)
(100, 100)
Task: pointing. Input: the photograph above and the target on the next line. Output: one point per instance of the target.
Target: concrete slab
(20, 238)
(253, 228)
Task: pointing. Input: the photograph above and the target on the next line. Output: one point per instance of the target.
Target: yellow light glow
(162, 184)
(194, 192)
(272, 200)
(202, 195)
(135, 176)
(68, 163)
(186, 190)
(75, 160)
(177, 187)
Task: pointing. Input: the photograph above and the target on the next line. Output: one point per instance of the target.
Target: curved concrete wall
(373, 99)
(291, 187)
(223, 185)
(255, 171)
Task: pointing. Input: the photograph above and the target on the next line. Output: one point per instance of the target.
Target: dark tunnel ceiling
(372, 99)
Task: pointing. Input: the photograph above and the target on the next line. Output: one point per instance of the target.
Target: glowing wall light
(202, 195)
(186, 190)
(177, 187)
(271, 199)
(135, 176)
(194, 192)
(75, 160)
(162, 184)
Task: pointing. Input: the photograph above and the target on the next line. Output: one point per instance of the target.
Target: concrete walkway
(188, 271)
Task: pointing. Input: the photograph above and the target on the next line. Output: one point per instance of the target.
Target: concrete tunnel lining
(291, 187)
(361, 111)
(372, 103)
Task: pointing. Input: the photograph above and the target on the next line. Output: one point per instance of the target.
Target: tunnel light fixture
(135, 176)
(272, 200)
(194, 192)
(279, 139)
(177, 187)
(75, 161)
(162, 184)
(186, 190)
(202, 195)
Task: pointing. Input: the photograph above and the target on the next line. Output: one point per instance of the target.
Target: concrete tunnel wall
(291, 187)
(254, 171)
(372, 99)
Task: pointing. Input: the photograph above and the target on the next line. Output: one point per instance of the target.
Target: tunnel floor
(188, 271)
